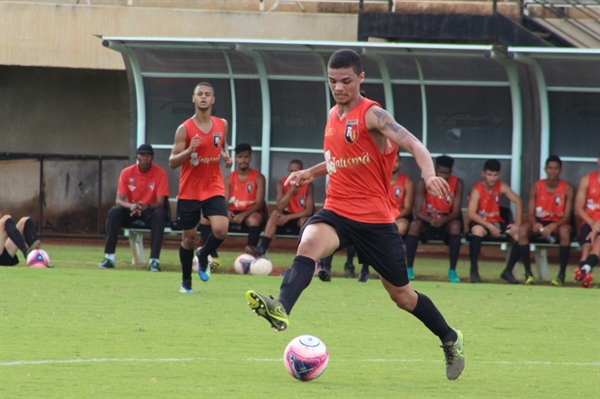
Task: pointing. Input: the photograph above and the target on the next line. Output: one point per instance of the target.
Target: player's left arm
(569, 196)
(225, 147)
(515, 199)
(380, 120)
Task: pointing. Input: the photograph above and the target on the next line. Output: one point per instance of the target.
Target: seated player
(587, 206)
(485, 218)
(437, 218)
(549, 208)
(142, 191)
(245, 195)
(294, 206)
(13, 237)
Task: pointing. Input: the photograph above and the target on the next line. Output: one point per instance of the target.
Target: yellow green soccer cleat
(529, 280)
(269, 308)
(216, 264)
(455, 357)
(558, 281)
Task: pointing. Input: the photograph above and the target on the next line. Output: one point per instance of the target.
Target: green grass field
(76, 332)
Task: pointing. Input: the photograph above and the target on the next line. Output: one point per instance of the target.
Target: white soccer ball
(242, 263)
(38, 258)
(261, 267)
(305, 357)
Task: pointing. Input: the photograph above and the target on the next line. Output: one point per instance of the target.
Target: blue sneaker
(411, 275)
(452, 276)
(186, 287)
(204, 274)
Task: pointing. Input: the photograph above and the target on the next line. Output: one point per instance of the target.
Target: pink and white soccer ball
(38, 258)
(242, 263)
(261, 267)
(305, 357)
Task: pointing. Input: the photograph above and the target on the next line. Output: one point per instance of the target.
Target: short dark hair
(554, 158)
(204, 84)
(297, 161)
(492, 165)
(243, 147)
(444, 160)
(346, 58)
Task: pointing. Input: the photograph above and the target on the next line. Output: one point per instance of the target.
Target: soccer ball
(261, 267)
(305, 357)
(242, 263)
(38, 258)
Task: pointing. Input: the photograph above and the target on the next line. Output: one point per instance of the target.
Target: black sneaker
(349, 269)
(475, 277)
(324, 275)
(107, 264)
(186, 287)
(254, 251)
(363, 277)
(153, 266)
(508, 277)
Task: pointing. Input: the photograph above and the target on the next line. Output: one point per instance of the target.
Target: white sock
(110, 256)
(586, 269)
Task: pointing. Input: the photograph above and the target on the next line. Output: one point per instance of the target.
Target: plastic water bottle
(551, 239)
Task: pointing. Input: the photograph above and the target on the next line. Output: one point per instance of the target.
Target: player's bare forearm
(318, 170)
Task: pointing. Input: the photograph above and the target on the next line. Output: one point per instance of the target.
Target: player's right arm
(420, 202)
(531, 205)
(475, 217)
(305, 176)
(179, 154)
(283, 199)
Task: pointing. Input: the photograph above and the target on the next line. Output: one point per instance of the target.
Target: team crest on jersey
(249, 187)
(448, 198)
(496, 198)
(397, 192)
(217, 137)
(301, 201)
(351, 134)
(558, 200)
(151, 186)
(131, 184)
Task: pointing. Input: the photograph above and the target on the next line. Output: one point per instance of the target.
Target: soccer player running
(360, 146)
(200, 142)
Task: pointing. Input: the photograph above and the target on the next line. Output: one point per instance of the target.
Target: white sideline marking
(192, 359)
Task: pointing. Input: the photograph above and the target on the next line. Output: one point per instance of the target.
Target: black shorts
(502, 226)
(7, 260)
(585, 230)
(290, 227)
(378, 245)
(437, 233)
(242, 227)
(190, 211)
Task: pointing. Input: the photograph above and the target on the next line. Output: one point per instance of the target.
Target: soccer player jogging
(360, 145)
(200, 143)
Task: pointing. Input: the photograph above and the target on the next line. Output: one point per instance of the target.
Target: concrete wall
(64, 35)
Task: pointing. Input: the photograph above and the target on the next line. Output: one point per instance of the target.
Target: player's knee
(254, 220)
(565, 231)
(188, 240)
(404, 301)
(478, 230)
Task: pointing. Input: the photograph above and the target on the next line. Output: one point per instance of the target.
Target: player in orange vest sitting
(437, 217)
(549, 209)
(294, 206)
(587, 206)
(485, 218)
